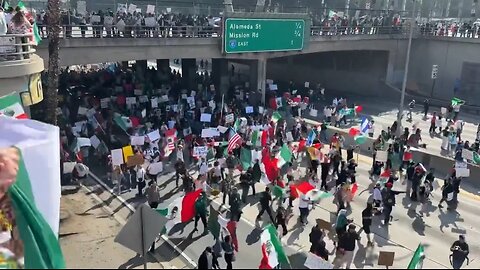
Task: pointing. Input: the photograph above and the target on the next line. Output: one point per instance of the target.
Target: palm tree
(53, 32)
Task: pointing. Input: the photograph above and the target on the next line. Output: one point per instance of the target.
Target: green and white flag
(272, 250)
(35, 195)
(417, 259)
(254, 139)
(476, 158)
(278, 192)
(22, 7)
(276, 116)
(457, 101)
(246, 158)
(237, 124)
(11, 106)
(122, 121)
(284, 156)
(36, 34)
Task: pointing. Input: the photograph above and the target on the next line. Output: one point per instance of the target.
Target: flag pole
(221, 108)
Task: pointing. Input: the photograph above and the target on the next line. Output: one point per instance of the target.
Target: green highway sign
(242, 35)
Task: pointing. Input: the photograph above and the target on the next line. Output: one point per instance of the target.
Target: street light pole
(405, 75)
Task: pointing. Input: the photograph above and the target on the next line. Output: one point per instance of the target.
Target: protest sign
(137, 140)
(155, 168)
(127, 152)
(261, 110)
(150, 22)
(138, 10)
(249, 109)
(95, 19)
(289, 136)
(191, 102)
(154, 102)
(132, 8)
(143, 99)
(462, 172)
(222, 129)
(273, 87)
(122, 8)
(307, 84)
(381, 156)
(210, 132)
(68, 167)
(443, 110)
(95, 141)
(82, 7)
(386, 258)
(200, 151)
(131, 100)
(206, 117)
(212, 87)
(467, 154)
(229, 118)
(135, 160)
(154, 135)
(315, 262)
(82, 110)
(117, 157)
(108, 20)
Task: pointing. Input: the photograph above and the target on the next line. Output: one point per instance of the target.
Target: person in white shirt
(180, 153)
(371, 129)
(328, 113)
(303, 205)
(140, 180)
(203, 167)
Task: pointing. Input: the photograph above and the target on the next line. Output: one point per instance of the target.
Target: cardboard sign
(154, 102)
(82, 110)
(137, 140)
(154, 135)
(135, 160)
(210, 132)
(127, 152)
(229, 118)
(315, 262)
(386, 258)
(200, 151)
(249, 109)
(381, 156)
(131, 100)
(206, 117)
(95, 141)
(117, 157)
(467, 154)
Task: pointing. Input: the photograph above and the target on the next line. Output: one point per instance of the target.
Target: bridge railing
(16, 47)
(99, 31)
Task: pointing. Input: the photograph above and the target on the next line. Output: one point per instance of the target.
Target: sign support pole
(144, 253)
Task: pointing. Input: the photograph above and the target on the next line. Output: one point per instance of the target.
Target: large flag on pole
(272, 250)
(234, 140)
(35, 195)
(417, 260)
(284, 156)
(181, 210)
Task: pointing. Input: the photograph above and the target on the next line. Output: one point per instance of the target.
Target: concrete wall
(450, 55)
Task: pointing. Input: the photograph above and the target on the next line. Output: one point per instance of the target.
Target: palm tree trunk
(53, 32)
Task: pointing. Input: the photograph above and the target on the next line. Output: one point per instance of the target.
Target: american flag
(234, 140)
(171, 137)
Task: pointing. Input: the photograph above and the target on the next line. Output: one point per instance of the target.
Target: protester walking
(460, 251)
(201, 212)
(346, 247)
(153, 199)
(265, 205)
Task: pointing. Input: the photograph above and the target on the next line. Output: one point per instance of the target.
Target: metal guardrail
(16, 47)
(99, 31)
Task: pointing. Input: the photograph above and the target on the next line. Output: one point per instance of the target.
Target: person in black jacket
(206, 259)
(346, 247)
(315, 236)
(389, 202)
(265, 204)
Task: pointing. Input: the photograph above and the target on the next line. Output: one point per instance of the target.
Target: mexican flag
(278, 192)
(276, 116)
(284, 156)
(272, 250)
(122, 121)
(245, 158)
(11, 106)
(237, 124)
(457, 101)
(35, 194)
(255, 136)
(417, 259)
(22, 7)
(180, 210)
(476, 158)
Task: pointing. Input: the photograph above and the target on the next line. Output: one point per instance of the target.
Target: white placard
(381, 156)
(206, 117)
(212, 87)
(462, 172)
(150, 9)
(460, 165)
(138, 92)
(210, 132)
(131, 100)
(200, 151)
(340, 14)
(108, 20)
(155, 168)
(95, 19)
(150, 22)
(117, 157)
(249, 109)
(122, 8)
(269, 81)
(313, 112)
(154, 135)
(164, 98)
(222, 129)
(315, 262)
(154, 102)
(144, 113)
(82, 110)
(82, 7)
(193, 93)
(307, 84)
(95, 141)
(143, 99)
(191, 102)
(289, 136)
(68, 167)
(273, 87)
(132, 8)
(443, 110)
(104, 103)
(169, 10)
(229, 118)
(82, 142)
(261, 110)
(137, 140)
(467, 154)
(171, 124)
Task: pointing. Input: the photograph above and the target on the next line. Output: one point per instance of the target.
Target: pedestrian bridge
(84, 46)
